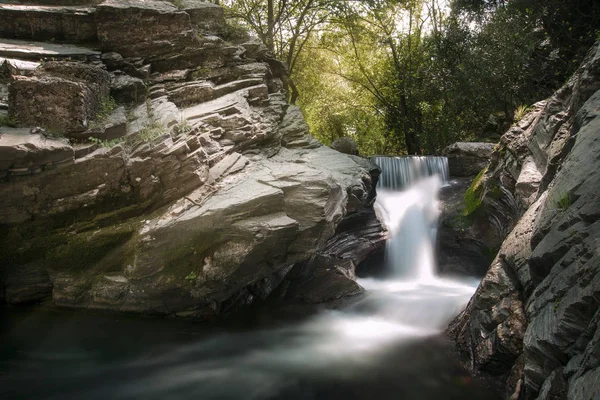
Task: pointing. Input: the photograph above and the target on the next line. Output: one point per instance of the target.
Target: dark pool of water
(57, 354)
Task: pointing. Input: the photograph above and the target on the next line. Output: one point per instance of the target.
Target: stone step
(66, 24)
(18, 67)
(36, 51)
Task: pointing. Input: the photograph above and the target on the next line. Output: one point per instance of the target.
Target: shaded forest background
(412, 76)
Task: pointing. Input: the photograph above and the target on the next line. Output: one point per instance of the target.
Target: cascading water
(411, 214)
(377, 348)
(400, 172)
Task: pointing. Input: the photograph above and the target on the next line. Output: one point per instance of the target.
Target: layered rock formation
(193, 189)
(535, 317)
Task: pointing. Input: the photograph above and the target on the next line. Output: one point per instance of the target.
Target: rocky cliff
(535, 318)
(149, 162)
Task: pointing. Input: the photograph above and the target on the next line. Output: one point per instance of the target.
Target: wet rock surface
(168, 175)
(535, 316)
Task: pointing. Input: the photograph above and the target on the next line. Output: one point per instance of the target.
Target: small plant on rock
(473, 195)
(105, 143)
(192, 276)
(563, 201)
(521, 112)
(182, 127)
(106, 107)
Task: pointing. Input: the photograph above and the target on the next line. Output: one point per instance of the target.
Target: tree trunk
(270, 26)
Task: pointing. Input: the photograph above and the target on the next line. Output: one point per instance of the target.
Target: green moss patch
(473, 196)
(59, 249)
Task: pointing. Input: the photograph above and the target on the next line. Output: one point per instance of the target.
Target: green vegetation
(106, 107)
(521, 112)
(234, 31)
(105, 143)
(5, 120)
(473, 195)
(182, 127)
(411, 77)
(563, 201)
(178, 3)
(192, 276)
(148, 134)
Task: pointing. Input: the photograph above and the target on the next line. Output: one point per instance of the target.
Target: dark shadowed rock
(27, 284)
(49, 23)
(539, 301)
(468, 158)
(127, 89)
(462, 247)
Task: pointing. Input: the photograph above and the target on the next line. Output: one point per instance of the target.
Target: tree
(284, 26)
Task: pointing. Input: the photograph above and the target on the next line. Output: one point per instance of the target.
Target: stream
(388, 344)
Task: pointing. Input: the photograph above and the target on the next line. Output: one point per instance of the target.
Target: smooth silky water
(386, 345)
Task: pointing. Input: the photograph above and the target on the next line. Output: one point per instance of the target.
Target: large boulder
(216, 197)
(468, 158)
(535, 316)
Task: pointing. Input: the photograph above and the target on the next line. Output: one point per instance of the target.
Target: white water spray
(411, 217)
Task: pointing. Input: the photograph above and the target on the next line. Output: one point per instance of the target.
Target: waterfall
(400, 172)
(411, 214)
(411, 217)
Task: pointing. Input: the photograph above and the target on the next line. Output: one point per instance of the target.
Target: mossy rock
(84, 250)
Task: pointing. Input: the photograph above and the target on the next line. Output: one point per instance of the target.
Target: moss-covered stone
(86, 249)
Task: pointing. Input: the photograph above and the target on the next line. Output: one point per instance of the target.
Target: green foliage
(473, 195)
(182, 127)
(521, 112)
(411, 76)
(5, 120)
(107, 106)
(235, 31)
(563, 201)
(148, 134)
(192, 276)
(105, 143)
(178, 3)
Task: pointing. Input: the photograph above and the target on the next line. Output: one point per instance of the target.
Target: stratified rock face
(468, 158)
(61, 96)
(201, 191)
(536, 313)
(38, 22)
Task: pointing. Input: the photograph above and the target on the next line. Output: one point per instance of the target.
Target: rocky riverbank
(534, 320)
(150, 163)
